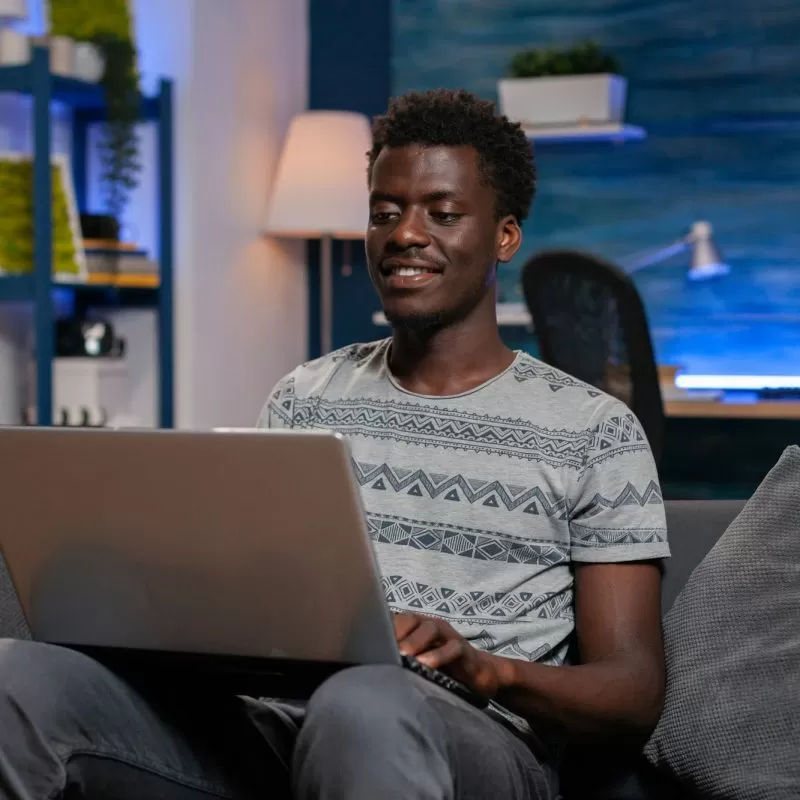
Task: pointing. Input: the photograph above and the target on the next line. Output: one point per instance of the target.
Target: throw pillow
(731, 722)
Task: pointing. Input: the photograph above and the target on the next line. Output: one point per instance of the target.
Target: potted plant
(108, 27)
(580, 85)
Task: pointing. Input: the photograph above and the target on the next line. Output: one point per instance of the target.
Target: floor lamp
(320, 191)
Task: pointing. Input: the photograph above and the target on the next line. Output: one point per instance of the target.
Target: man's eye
(379, 217)
(446, 217)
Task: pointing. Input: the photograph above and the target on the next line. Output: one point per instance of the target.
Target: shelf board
(568, 134)
(127, 291)
(22, 288)
(82, 96)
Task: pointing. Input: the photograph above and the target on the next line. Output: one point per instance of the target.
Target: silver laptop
(243, 553)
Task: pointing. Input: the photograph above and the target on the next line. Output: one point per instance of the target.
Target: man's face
(433, 239)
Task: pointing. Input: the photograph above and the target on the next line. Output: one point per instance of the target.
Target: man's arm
(617, 689)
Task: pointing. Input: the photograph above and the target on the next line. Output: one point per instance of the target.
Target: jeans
(71, 728)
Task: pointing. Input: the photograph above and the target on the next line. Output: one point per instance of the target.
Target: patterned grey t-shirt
(478, 503)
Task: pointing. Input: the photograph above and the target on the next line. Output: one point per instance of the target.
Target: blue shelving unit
(87, 105)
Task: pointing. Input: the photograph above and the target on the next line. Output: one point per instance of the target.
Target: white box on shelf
(563, 99)
(99, 385)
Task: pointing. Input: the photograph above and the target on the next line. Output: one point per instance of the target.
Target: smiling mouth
(410, 272)
(406, 268)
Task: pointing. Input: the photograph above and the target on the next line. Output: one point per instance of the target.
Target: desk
(718, 409)
(509, 315)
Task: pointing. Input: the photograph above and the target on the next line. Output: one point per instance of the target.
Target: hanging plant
(108, 26)
(119, 146)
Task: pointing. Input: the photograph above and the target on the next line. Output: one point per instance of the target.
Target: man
(515, 512)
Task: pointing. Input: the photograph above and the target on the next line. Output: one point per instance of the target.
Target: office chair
(590, 322)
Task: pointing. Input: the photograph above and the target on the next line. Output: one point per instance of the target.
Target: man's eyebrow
(430, 197)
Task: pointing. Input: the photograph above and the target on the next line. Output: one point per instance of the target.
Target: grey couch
(694, 527)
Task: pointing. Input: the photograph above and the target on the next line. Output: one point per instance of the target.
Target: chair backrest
(590, 322)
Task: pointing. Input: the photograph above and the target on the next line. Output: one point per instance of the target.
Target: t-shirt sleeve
(278, 411)
(616, 507)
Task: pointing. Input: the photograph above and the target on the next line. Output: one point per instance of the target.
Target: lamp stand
(326, 295)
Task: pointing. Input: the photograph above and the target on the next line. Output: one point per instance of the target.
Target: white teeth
(408, 272)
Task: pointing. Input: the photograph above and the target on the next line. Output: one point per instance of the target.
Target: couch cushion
(730, 723)
(694, 527)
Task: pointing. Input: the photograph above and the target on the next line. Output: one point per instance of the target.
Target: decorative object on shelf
(62, 55)
(108, 26)
(579, 87)
(16, 221)
(82, 338)
(110, 261)
(706, 261)
(15, 48)
(12, 10)
(88, 63)
(100, 227)
(87, 392)
(320, 191)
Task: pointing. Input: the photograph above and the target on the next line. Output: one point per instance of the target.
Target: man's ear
(509, 238)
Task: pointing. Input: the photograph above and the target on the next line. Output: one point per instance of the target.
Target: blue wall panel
(350, 69)
(717, 86)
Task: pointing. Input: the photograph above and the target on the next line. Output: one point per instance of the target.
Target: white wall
(241, 72)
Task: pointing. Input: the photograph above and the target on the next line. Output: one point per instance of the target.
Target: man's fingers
(420, 639)
(404, 624)
(452, 650)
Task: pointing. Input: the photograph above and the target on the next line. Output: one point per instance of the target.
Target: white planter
(13, 9)
(62, 56)
(563, 100)
(88, 64)
(15, 48)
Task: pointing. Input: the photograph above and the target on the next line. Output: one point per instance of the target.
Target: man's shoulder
(561, 400)
(312, 376)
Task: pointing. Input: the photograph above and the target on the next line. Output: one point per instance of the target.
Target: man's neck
(450, 360)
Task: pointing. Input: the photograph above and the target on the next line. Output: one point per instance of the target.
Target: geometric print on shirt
(511, 648)
(474, 607)
(555, 379)
(455, 540)
(426, 425)
(613, 436)
(584, 536)
(457, 488)
(629, 496)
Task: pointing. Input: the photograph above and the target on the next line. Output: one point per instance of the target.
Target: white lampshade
(706, 260)
(13, 9)
(321, 185)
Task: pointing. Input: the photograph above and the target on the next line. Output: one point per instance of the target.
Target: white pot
(88, 64)
(563, 99)
(62, 56)
(15, 48)
(13, 9)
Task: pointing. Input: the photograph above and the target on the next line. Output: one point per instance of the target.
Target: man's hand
(437, 645)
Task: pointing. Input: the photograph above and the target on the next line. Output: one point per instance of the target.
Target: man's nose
(410, 230)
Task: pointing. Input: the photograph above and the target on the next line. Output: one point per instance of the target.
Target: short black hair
(452, 118)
